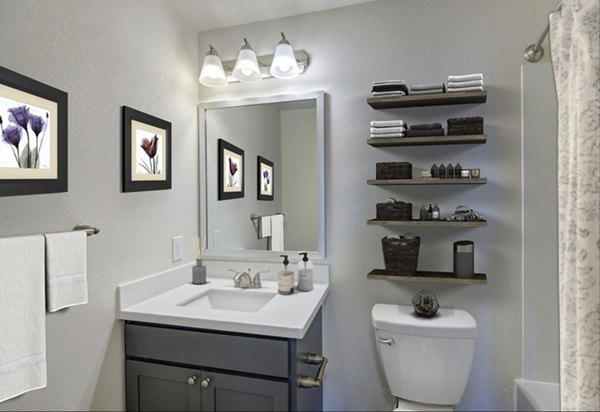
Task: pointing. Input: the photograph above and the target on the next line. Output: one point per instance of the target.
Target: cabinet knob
(205, 383)
(192, 380)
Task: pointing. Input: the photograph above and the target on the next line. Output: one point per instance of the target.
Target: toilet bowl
(426, 361)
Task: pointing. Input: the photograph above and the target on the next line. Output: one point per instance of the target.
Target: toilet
(426, 361)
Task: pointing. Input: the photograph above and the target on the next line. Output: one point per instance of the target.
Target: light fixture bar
(264, 64)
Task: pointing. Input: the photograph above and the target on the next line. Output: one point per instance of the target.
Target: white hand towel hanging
(66, 269)
(22, 316)
(264, 226)
(277, 238)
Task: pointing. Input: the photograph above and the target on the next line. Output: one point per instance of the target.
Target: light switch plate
(177, 245)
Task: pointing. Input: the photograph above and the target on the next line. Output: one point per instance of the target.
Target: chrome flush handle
(387, 341)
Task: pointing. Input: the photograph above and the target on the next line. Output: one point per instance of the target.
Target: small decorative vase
(425, 303)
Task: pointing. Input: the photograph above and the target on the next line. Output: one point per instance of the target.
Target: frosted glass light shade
(212, 74)
(246, 67)
(284, 64)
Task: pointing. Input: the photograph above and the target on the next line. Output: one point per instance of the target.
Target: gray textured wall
(104, 54)
(418, 41)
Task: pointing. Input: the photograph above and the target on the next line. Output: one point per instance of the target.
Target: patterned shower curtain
(575, 53)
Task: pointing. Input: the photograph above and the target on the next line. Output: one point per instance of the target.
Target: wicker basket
(394, 170)
(400, 255)
(394, 211)
(465, 125)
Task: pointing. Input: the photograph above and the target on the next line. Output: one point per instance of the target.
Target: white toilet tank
(425, 360)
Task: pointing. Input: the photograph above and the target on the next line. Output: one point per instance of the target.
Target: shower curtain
(574, 45)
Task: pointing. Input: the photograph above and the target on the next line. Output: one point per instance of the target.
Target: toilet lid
(446, 323)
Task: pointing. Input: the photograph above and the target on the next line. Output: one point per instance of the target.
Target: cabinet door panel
(153, 387)
(240, 393)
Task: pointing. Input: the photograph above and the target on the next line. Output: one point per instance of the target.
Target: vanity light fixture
(246, 67)
(212, 74)
(284, 64)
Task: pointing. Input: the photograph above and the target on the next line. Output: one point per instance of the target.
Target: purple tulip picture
(265, 179)
(232, 176)
(150, 147)
(22, 133)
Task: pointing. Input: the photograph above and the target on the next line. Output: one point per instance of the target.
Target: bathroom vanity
(259, 351)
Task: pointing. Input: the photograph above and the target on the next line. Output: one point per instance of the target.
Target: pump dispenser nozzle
(285, 260)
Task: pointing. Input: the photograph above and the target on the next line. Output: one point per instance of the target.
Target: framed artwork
(33, 136)
(146, 152)
(231, 171)
(264, 178)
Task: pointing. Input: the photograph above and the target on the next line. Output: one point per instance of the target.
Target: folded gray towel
(430, 132)
(426, 126)
(472, 83)
(426, 86)
(432, 91)
(465, 77)
(465, 89)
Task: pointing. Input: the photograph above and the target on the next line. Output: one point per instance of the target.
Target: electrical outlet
(177, 244)
(216, 239)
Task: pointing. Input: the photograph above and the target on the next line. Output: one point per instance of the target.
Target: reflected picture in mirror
(231, 171)
(264, 178)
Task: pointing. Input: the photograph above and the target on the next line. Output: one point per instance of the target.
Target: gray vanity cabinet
(172, 368)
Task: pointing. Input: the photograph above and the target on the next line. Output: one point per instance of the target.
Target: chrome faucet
(243, 280)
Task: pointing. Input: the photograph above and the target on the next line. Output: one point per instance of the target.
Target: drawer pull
(205, 383)
(309, 382)
(192, 380)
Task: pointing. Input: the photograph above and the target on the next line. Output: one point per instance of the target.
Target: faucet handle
(256, 280)
(236, 279)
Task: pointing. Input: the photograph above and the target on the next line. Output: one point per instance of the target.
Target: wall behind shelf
(418, 41)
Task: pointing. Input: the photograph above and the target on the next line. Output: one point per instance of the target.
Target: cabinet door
(226, 392)
(154, 387)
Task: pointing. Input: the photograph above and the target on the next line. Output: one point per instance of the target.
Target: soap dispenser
(305, 274)
(285, 280)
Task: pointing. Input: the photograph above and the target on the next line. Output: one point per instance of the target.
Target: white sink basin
(240, 300)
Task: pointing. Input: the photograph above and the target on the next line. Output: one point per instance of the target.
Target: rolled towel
(426, 126)
(386, 135)
(465, 89)
(419, 133)
(426, 86)
(465, 77)
(452, 85)
(388, 123)
(379, 130)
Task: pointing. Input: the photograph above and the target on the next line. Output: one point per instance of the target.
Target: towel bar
(90, 230)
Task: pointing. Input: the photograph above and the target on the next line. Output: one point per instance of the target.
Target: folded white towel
(388, 82)
(465, 84)
(390, 93)
(431, 91)
(387, 123)
(277, 239)
(465, 89)
(465, 77)
(386, 135)
(378, 130)
(426, 86)
(66, 269)
(22, 316)
(264, 227)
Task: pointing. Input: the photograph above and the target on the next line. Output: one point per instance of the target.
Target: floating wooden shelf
(432, 223)
(434, 99)
(426, 140)
(428, 181)
(431, 277)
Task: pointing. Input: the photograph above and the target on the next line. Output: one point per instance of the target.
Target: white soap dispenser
(305, 274)
(285, 280)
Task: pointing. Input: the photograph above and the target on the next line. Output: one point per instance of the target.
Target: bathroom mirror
(262, 177)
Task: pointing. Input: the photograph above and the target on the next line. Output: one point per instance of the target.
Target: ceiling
(213, 14)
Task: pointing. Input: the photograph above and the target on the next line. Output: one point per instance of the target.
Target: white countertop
(283, 316)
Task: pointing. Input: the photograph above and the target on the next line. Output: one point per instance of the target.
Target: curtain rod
(534, 52)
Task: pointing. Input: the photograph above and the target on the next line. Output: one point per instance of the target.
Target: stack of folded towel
(465, 83)
(388, 128)
(465, 125)
(427, 88)
(385, 88)
(428, 129)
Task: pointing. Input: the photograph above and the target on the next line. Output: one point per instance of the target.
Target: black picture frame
(230, 185)
(146, 158)
(265, 185)
(39, 174)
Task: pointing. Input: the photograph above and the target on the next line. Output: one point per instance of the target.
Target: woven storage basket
(394, 170)
(394, 211)
(465, 125)
(400, 255)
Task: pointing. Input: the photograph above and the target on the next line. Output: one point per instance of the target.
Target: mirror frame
(263, 255)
